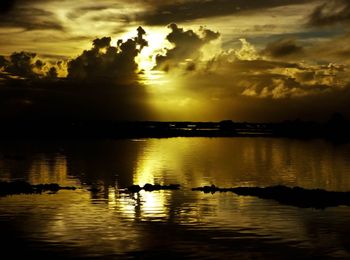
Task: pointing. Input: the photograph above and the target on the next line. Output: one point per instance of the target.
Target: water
(173, 224)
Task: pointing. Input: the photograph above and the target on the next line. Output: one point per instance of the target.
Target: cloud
(3, 62)
(52, 73)
(266, 78)
(266, 74)
(161, 12)
(282, 47)
(114, 16)
(335, 49)
(22, 64)
(102, 43)
(187, 46)
(330, 13)
(245, 84)
(101, 84)
(27, 65)
(285, 79)
(94, 9)
(109, 63)
(331, 50)
(30, 18)
(102, 62)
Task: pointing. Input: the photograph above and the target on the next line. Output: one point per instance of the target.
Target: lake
(98, 220)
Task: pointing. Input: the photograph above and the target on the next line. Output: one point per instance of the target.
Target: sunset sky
(198, 60)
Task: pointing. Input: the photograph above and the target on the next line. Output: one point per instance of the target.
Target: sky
(180, 60)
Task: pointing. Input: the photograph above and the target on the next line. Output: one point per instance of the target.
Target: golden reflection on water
(48, 170)
(203, 161)
(152, 204)
(129, 206)
(112, 221)
(190, 162)
(112, 197)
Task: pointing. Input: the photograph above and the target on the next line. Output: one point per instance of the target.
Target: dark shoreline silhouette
(152, 187)
(22, 187)
(336, 128)
(293, 196)
(296, 196)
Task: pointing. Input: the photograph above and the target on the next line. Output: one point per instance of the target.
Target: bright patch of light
(146, 60)
(154, 77)
(153, 203)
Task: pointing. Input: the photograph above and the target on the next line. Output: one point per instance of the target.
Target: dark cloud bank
(165, 12)
(20, 14)
(187, 45)
(282, 48)
(330, 13)
(101, 84)
(23, 14)
(245, 84)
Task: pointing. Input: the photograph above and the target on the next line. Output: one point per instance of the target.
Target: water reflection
(45, 169)
(190, 162)
(100, 220)
(108, 163)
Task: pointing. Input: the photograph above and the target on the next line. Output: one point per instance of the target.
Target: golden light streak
(153, 203)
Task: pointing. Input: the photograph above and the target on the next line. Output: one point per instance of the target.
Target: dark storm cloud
(181, 11)
(282, 48)
(52, 73)
(328, 50)
(101, 84)
(330, 13)
(102, 62)
(22, 64)
(27, 65)
(187, 45)
(30, 18)
(3, 61)
(106, 62)
(102, 43)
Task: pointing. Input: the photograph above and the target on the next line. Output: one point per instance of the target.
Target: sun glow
(146, 60)
(156, 43)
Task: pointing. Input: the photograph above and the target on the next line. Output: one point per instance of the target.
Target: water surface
(107, 223)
